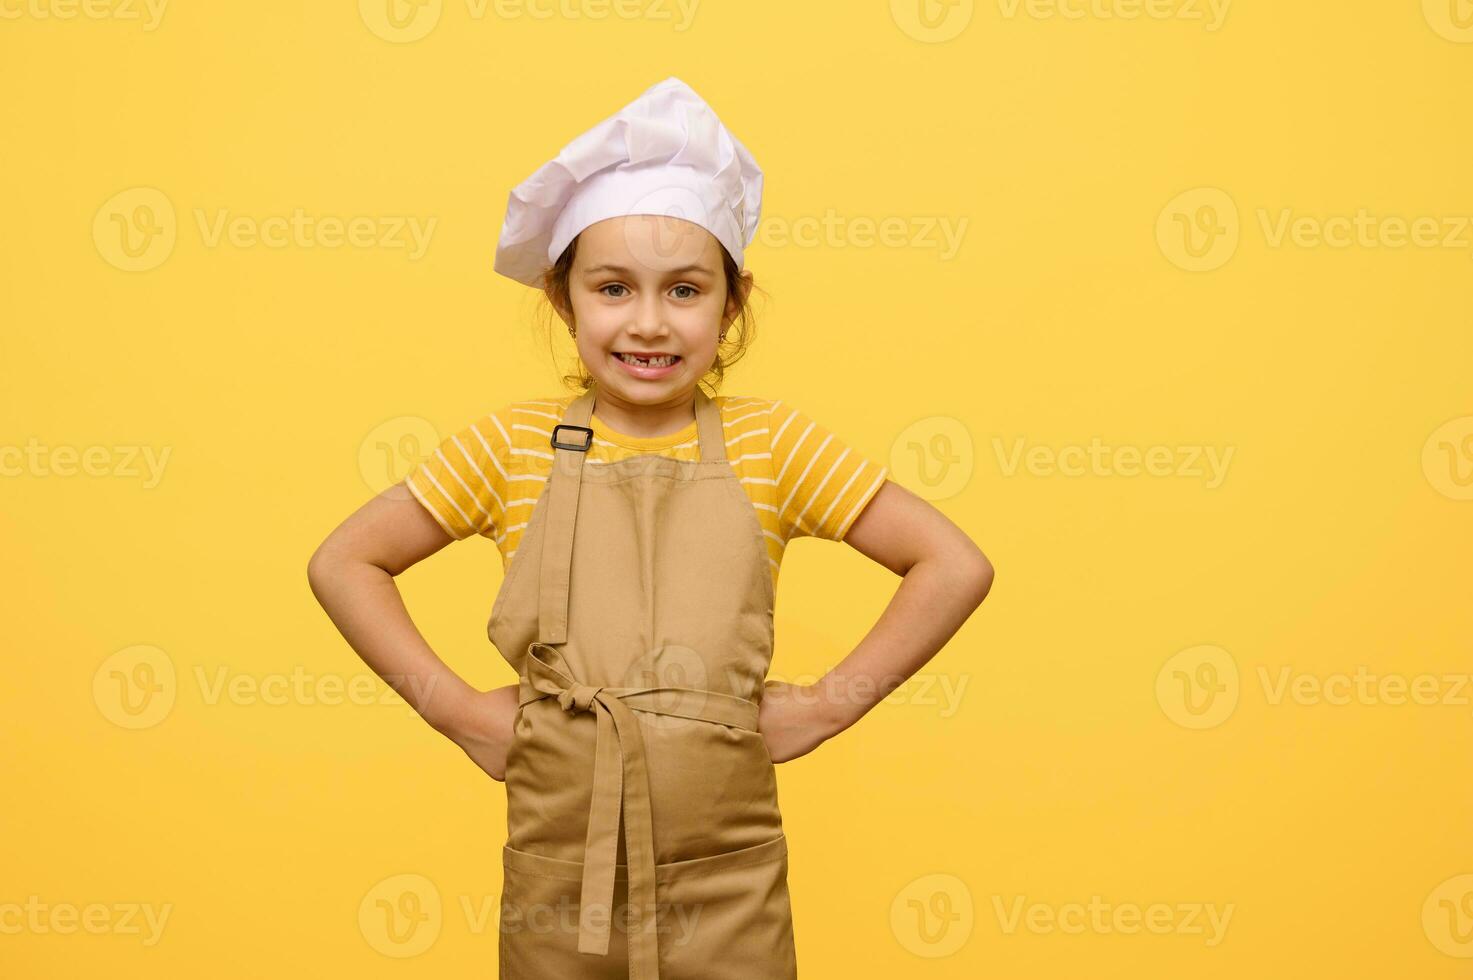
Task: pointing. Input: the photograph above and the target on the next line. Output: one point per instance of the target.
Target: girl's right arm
(352, 575)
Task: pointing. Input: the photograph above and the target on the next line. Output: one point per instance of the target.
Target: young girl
(642, 523)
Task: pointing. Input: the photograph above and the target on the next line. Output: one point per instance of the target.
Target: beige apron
(644, 838)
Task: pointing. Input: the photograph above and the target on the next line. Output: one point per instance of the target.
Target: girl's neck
(644, 421)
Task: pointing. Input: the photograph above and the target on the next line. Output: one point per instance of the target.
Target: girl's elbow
(983, 574)
(322, 568)
(974, 570)
(318, 571)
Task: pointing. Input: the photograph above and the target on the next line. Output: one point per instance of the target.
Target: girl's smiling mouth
(649, 366)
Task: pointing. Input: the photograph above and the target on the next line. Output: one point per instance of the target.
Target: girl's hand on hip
(793, 719)
(483, 728)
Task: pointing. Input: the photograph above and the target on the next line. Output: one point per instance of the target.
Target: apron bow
(579, 697)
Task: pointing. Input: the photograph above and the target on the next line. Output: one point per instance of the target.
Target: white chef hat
(664, 153)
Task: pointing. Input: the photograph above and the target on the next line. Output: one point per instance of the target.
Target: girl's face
(649, 302)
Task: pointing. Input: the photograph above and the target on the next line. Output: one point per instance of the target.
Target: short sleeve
(822, 484)
(463, 482)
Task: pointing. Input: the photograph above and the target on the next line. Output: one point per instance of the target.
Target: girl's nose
(648, 319)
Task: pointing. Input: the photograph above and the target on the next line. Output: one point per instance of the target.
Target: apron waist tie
(621, 782)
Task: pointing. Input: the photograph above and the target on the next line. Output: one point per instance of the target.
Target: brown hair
(728, 351)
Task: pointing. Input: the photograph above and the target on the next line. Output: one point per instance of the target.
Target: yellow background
(1071, 147)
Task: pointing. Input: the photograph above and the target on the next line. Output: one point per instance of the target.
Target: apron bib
(644, 838)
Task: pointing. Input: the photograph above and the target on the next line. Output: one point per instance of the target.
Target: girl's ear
(564, 314)
(734, 303)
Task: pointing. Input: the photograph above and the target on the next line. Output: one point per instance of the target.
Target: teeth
(647, 362)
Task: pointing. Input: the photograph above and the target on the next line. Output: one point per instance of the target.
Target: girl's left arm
(945, 576)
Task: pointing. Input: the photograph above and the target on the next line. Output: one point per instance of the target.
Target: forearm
(935, 597)
(364, 603)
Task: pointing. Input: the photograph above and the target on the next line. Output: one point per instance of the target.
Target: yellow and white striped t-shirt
(801, 479)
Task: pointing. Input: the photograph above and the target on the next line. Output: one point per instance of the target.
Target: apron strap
(708, 428)
(563, 484)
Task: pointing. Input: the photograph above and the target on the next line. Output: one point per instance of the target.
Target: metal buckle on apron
(588, 444)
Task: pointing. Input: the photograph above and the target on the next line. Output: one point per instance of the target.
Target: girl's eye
(612, 285)
(691, 288)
